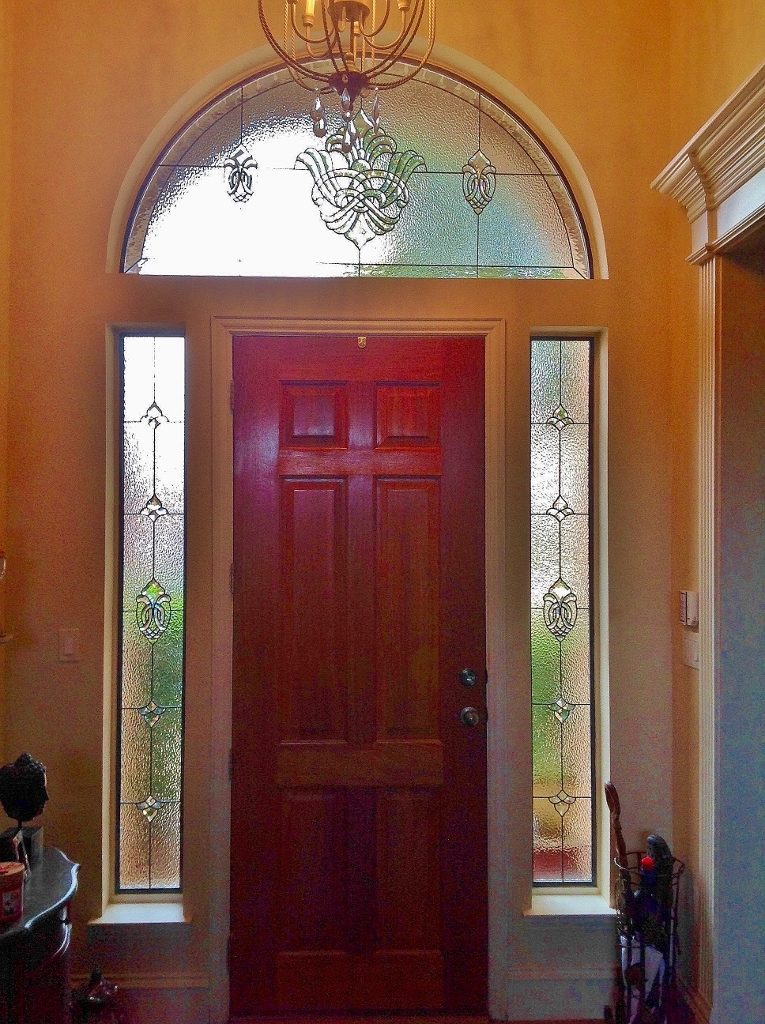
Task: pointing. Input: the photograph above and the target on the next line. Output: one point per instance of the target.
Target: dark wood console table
(34, 951)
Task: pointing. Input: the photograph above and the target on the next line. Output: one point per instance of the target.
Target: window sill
(587, 905)
(141, 913)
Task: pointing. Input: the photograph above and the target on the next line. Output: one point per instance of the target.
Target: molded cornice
(719, 176)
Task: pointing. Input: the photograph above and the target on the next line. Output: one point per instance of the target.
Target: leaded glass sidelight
(561, 610)
(447, 182)
(150, 727)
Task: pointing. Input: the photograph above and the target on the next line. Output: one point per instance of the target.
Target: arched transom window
(448, 184)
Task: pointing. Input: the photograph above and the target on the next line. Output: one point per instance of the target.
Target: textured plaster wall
(91, 82)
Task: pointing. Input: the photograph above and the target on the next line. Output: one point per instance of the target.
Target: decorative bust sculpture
(23, 792)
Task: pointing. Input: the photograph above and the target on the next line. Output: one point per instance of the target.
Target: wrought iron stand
(647, 940)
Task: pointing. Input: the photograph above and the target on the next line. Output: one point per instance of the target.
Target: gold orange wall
(91, 81)
(5, 200)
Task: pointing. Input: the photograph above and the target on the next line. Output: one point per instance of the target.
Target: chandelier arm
(378, 28)
(334, 42)
(306, 39)
(403, 31)
(390, 58)
(289, 59)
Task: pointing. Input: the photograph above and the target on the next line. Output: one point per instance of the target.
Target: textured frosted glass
(575, 374)
(436, 210)
(507, 155)
(522, 226)
(137, 465)
(544, 467)
(545, 661)
(575, 753)
(575, 660)
(575, 465)
(575, 556)
(545, 378)
(545, 557)
(138, 377)
(152, 614)
(577, 845)
(216, 143)
(228, 197)
(136, 663)
(546, 739)
(561, 665)
(137, 555)
(168, 554)
(412, 113)
(134, 865)
(135, 757)
(166, 848)
(168, 662)
(510, 128)
(167, 743)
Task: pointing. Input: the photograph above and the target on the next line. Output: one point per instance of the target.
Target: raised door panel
(351, 626)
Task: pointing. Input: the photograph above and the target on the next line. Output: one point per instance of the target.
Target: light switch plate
(69, 645)
(691, 649)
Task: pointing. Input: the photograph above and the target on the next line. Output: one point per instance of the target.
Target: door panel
(358, 798)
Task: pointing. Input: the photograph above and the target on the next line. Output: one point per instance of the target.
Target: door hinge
(231, 579)
(228, 954)
(231, 765)
(231, 395)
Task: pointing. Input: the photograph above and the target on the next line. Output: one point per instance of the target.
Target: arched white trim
(262, 59)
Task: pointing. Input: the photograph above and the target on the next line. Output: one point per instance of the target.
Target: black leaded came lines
(151, 713)
(154, 416)
(559, 419)
(560, 509)
(151, 806)
(562, 802)
(154, 508)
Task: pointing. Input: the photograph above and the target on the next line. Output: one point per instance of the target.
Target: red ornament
(647, 863)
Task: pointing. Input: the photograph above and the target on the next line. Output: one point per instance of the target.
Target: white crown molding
(719, 176)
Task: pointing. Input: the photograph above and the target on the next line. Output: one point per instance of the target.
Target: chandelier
(350, 47)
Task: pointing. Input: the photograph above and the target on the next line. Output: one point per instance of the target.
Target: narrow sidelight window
(561, 611)
(151, 620)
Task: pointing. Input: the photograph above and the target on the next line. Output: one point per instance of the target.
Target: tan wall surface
(111, 73)
(5, 198)
(715, 46)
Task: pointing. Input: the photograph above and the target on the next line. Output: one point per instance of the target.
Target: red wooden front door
(358, 828)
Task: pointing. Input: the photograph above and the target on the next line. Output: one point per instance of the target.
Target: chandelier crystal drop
(351, 48)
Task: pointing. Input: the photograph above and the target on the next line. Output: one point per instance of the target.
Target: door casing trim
(492, 332)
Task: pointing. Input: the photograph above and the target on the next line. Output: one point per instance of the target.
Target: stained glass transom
(152, 615)
(561, 621)
(448, 184)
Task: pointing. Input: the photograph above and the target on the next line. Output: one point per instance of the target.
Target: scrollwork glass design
(436, 179)
(150, 735)
(561, 663)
